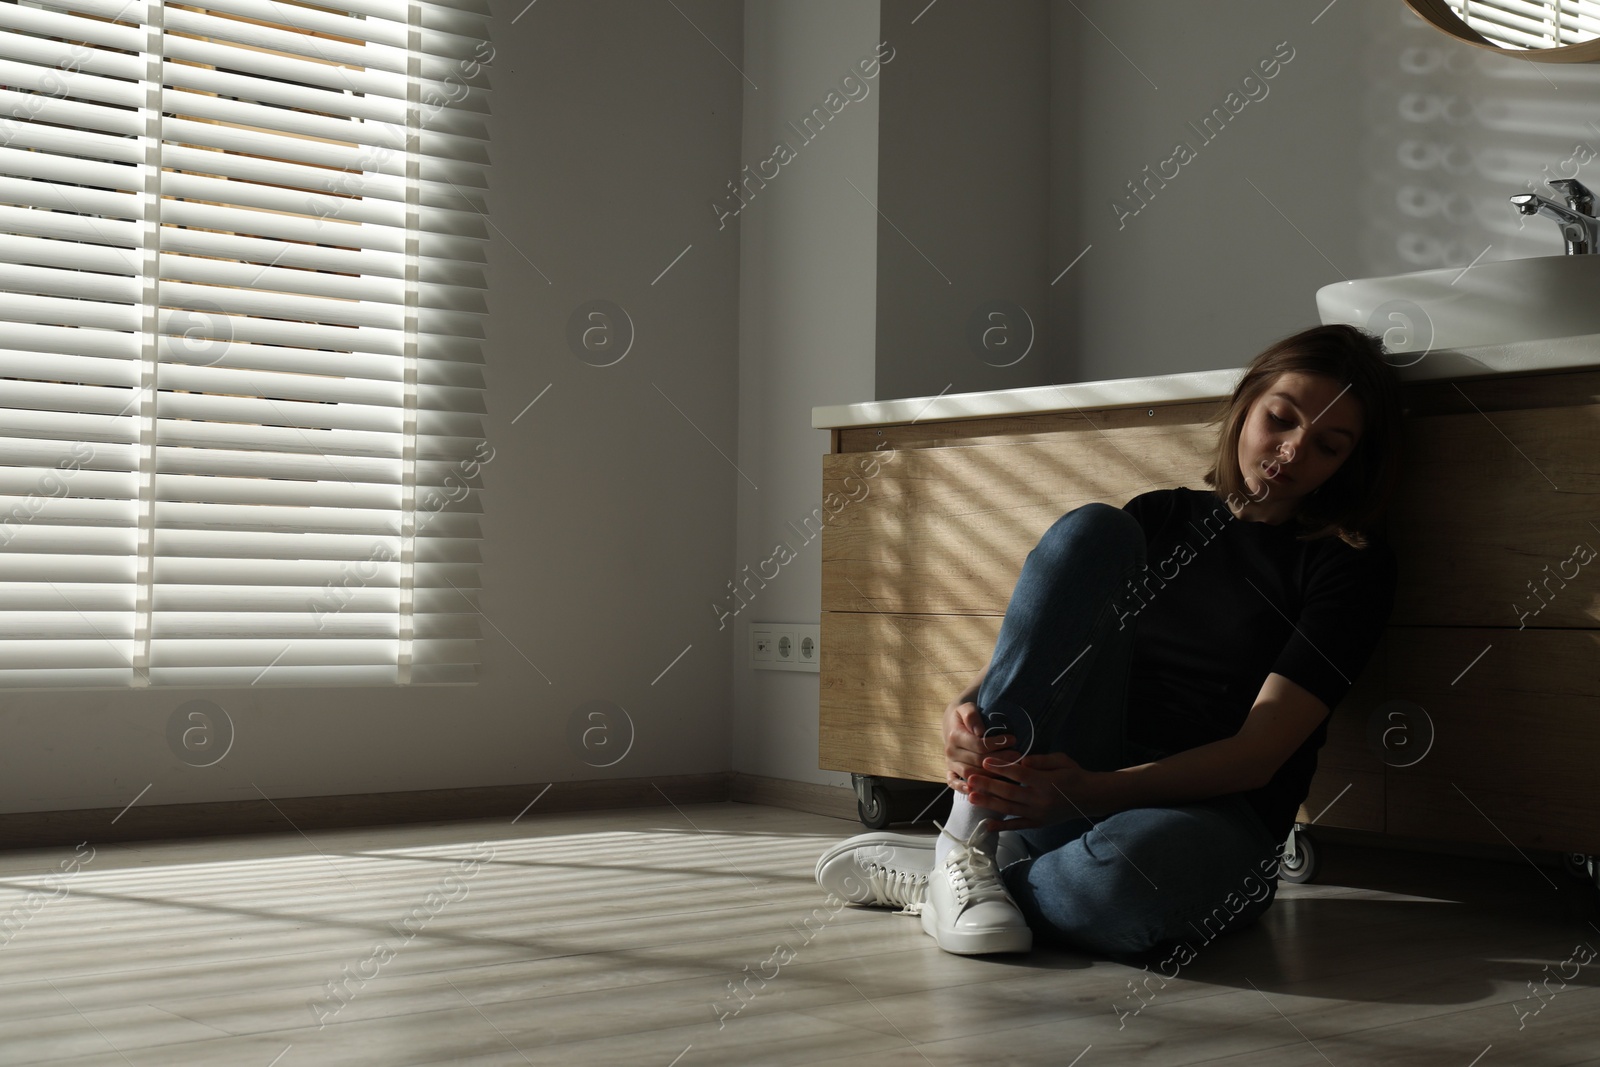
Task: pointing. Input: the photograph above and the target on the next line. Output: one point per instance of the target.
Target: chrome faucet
(1579, 227)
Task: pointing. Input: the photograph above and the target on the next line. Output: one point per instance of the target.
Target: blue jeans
(1138, 881)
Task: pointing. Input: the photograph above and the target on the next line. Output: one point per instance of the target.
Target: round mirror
(1549, 31)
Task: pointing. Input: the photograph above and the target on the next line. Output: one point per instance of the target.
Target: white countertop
(1523, 357)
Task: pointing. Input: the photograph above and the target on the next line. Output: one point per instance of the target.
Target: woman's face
(1301, 429)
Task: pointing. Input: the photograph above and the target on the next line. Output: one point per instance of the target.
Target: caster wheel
(873, 806)
(1576, 864)
(1299, 865)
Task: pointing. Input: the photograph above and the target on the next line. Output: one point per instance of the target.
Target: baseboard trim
(47, 829)
(832, 800)
(155, 822)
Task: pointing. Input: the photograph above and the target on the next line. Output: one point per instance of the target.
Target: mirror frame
(1439, 14)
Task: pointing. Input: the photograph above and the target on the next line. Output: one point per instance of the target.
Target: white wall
(1383, 146)
(965, 186)
(1208, 271)
(608, 512)
(807, 277)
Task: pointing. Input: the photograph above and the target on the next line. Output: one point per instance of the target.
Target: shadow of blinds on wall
(241, 391)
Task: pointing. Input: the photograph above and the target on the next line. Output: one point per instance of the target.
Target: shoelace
(890, 885)
(973, 872)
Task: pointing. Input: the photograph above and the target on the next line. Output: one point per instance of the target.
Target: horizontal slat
(314, 309)
(81, 285)
(73, 28)
(175, 517)
(212, 28)
(112, 262)
(116, 344)
(272, 91)
(53, 398)
(62, 111)
(51, 196)
(387, 26)
(69, 623)
(183, 433)
(304, 335)
(235, 544)
(252, 463)
(192, 655)
(70, 143)
(321, 388)
(60, 512)
(19, 481)
(123, 10)
(74, 58)
(350, 207)
(287, 121)
(329, 635)
(308, 572)
(267, 253)
(321, 631)
(78, 677)
(368, 597)
(67, 570)
(88, 654)
(46, 310)
(73, 596)
(45, 538)
(58, 168)
(264, 653)
(57, 224)
(51, 79)
(302, 677)
(276, 491)
(252, 223)
(56, 426)
(353, 595)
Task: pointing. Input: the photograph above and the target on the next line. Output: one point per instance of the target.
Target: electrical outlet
(781, 647)
(763, 645)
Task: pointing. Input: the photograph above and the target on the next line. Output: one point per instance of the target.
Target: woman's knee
(1096, 526)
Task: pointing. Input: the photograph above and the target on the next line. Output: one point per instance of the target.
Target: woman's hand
(1035, 790)
(966, 746)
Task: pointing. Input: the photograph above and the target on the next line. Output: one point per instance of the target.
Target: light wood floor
(612, 937)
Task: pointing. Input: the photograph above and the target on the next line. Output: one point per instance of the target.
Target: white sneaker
(881, 869)
(967, 909)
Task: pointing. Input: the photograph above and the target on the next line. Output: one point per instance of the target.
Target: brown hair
(1355, 501)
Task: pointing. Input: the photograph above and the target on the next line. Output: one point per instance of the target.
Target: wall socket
(777, 646)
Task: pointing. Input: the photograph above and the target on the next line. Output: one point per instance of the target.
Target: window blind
(241, 301)
(1531, 23)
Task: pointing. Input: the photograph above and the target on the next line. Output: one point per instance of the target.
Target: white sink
(1497, 303)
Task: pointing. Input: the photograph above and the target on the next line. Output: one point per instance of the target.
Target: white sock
(965, 817)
